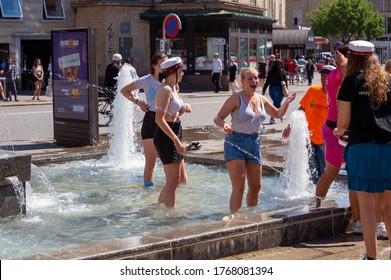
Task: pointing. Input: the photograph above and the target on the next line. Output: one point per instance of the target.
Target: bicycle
(105, 106)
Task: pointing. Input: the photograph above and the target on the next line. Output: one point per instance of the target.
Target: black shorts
(149, 126)
(165, 146)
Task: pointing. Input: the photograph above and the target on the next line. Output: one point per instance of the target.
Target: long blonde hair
(375, 78)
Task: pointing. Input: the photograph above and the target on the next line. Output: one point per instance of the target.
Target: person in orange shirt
(314, 105)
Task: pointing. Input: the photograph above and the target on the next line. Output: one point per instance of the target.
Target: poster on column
(75, 98)
(70, 74)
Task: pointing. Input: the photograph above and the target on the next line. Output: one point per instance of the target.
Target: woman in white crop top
(168, 134)
(151, 84)
(241, 146)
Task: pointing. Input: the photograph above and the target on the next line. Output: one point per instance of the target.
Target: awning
(209, 13)
(294, 39)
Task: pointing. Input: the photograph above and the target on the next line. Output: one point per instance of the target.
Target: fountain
(96, 209)
(15, 171)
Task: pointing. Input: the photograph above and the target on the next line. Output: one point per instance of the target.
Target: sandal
(193, 146)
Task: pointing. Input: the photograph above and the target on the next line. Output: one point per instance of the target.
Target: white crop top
(175, 105)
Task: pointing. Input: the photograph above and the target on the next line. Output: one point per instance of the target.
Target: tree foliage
(347, 19)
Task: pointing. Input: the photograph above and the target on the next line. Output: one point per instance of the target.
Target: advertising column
(75, 94)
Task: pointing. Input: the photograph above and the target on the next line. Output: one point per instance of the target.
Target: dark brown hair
(155, 60)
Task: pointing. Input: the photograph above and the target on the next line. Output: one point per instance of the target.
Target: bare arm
(280, 112)
(343, 122)
(127, 91)
(230, 105)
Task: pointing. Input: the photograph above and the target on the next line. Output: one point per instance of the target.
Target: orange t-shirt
(315, 107)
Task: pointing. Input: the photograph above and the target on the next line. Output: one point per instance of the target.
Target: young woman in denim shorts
(241, 146)
(150, 83)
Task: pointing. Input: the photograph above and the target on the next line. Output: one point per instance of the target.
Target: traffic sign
(171, 26)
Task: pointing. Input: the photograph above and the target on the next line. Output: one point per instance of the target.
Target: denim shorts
(242, 146)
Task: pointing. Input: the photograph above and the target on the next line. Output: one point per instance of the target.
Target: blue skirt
(369, 167)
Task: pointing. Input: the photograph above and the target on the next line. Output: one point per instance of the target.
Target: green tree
(348, 19)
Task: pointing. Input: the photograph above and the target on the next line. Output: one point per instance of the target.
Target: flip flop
(193, 146)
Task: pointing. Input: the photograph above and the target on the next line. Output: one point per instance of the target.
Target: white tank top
(246, 121)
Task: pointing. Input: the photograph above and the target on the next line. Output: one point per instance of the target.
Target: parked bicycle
(105, 106)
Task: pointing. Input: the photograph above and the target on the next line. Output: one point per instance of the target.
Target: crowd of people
(31, 73)
(348, 115)
(343, 107)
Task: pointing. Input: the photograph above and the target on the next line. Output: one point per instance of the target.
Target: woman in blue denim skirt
(241, 146)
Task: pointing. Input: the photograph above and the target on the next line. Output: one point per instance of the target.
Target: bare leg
(354, 205)
(236, 169)
(168, 193)
(367, 203)
(150, 155)
(326, 179)
(385, 203)
(254, 177)
(183, 179)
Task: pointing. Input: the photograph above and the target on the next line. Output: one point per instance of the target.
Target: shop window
(125, 47)
(201, 52)
(178, 47)
(253, 52)
(243, 56)
(261, 50)
(389, 25)
(10, 9)
(53, 9)
(4, 53)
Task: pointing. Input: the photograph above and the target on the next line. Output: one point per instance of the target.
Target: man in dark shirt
(112, 71)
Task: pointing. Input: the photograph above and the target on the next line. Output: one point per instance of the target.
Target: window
(125, 47)
(10, 9)
(297, 17)
(53, 9)
(253, 2)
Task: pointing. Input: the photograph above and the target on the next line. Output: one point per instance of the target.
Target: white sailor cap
(171, 63)
(327, 69)
(117, 57)
(361, 48)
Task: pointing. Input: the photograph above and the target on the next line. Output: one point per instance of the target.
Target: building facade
(238, 29)
(25, 30)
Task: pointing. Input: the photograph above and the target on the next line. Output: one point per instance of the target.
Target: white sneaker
(272, 121)
(365, 257)
(357, 227)
(381, 230)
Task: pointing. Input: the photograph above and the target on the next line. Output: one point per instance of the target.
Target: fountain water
(95, 201)
(296, 169)
(123, 136)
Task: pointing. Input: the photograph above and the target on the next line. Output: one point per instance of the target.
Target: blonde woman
(38, 77)
(241, 146)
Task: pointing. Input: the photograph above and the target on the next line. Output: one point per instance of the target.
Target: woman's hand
(291, 97)
(187, 108)
(286, 132)
(338, 132)
(227, 128)
(179, 146)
